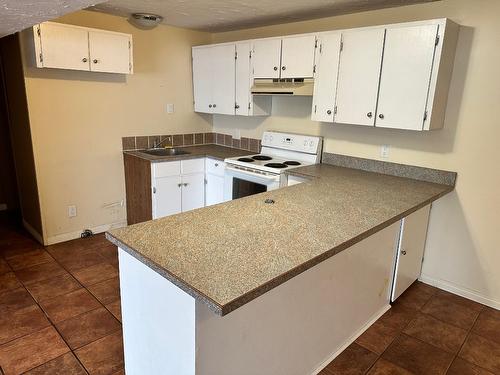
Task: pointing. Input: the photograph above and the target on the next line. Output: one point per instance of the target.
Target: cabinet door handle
(95, 61)
(283, 68)
(237, 106)
(215, 105)
(369, 115)
(403, 252)
(329, 112)
(275, 68)
(84, 59)
(216, 164)
(179, 185)
(210, 106)
(381, 116)
(185, 184)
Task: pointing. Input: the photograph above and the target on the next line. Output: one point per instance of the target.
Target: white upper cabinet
(405, 77)
(359, 73)
(110, 52)
(79, 48)
(297, 56)
(325, 78)
(214, 79)
(266, 58)
(64, 47)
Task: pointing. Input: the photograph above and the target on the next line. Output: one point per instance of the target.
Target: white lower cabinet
(214, 187)
(178, 186)
(410, 250)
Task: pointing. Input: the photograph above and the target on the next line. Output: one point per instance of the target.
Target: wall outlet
(71, 211)
(170, 108)
(384, 151)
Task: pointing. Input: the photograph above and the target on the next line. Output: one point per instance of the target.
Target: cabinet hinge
(38, 32)
(425, 115)
(129, 45)
(321, 48)
(316, 43)
(129, 67)
(206, 182)
(235, 55)
(314, 69)
(341, 45)
(250, 54)
(315, 108)
(437, 40)
(335, 110)
(41, 57)
(249, 105)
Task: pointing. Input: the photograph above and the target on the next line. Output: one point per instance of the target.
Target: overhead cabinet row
(391, 76)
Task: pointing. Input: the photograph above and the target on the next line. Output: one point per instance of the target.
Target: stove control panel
(294, 142)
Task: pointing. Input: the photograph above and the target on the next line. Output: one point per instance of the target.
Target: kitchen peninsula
(274, 283)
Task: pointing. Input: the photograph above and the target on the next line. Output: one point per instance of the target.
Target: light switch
(170, 108)
(384, 151)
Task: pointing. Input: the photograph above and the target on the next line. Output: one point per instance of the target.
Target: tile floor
(60, 314)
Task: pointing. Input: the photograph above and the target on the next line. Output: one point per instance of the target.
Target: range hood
(291, 87)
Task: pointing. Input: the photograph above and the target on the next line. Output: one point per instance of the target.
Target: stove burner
(261, 157)
(276, 165)
(246, 160)
(291, 162)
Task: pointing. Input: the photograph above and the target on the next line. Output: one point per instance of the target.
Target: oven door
(241, 183)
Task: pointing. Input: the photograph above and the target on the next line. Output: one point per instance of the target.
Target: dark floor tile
(378, 337)
(353, 360)
(435, 332)
(417, 356)
(69, 305)
(462, 367)
(31, 258)
(85, 328)
(19, 247)
(109, 251)
(31, 351)
(96, 273)
(116, 309)
(488, 325)
(4, 267)
(104, 356)
(53, 287)
(79, 245)
(106, 291)
(9, 281)
(67, 364)
(399, 316)
(79, 260)
(20, 322)
(450, 312)
(383, 367)
(482, 352)
(40, 272)
(15, 299)
(453, 298)
(417, 295)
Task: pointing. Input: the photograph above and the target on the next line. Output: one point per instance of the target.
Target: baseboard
(3, 207)
(33, 231)
(460, 291)
(63, 237)
(351, 339)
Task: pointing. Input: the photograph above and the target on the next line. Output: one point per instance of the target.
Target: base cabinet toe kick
(296, 328)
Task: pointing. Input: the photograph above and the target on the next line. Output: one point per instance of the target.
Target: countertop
(228, 254)
(212, 151)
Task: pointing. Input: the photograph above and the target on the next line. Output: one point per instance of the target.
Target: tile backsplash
(190, 139)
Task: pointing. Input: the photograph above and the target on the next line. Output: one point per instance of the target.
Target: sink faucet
(159, 143)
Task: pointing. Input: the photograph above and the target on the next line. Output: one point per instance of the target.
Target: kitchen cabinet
(193, 191)
(214, 79)
(214, 188)
(167, 196)
(287, 57)
(79, 48)
(325, 79)
(358, 77)
(406, 73)
(410, 250)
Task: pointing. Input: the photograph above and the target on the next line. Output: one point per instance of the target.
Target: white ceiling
(16, 15)
(223, 15)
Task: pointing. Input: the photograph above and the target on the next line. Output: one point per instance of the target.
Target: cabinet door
(297, 56)
(405, 77)
(243, 79)
(223, 79)
(166, 196)
(266, 58)
(64, 47)
(110, 52)
(410, 250)
(193, 191)
(359, 73)
(202, 79)
(214, 189)
(325, 79)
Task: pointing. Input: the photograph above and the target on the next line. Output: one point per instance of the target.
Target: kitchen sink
(165, 152)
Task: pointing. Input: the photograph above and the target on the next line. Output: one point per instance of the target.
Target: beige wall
(462, 248)
(78, 119)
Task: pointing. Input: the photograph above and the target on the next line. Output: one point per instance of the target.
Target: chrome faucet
(158, 144)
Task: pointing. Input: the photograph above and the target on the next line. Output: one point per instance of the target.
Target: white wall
(462, 248)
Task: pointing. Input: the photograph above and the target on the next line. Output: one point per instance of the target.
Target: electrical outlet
(384, 151)
(170, 108)
(71, 211)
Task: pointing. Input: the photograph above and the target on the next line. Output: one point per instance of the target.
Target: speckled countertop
(228, 254)
(212, 151)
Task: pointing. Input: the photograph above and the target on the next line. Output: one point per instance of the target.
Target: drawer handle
(84, 59)
(185, 184)
(403, 252)
(329, 112)
(216, 164)
(369, 115)
(381, 116)
(179, 185)
(275, 68)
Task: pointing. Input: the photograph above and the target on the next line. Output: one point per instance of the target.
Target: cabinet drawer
(193, 166)
(167, 168)
(215, 167)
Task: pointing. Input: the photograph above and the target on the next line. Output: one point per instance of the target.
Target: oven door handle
(247, 172)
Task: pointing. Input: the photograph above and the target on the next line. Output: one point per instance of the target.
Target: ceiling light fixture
(145, 21)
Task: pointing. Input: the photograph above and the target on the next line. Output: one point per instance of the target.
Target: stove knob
(305, 143)
(311, 144)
